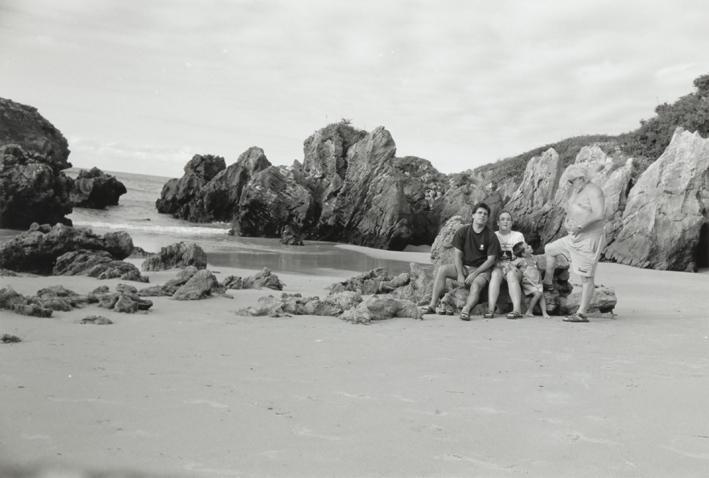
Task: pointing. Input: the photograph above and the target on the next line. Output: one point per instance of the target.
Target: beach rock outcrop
(18, 303)
(442, 250)
(31, 189)
(95, 189)
(667, 208)
(99, 264)
(37, 249)
(264, 278)
(183, 197)
(296, 304)
(272, 199)
(170, 287)
(24, 126)
(125, 299)
(10, 339)
(180, 254)
(96, 320)
(291, 237)
(381, 307)
(200, 286)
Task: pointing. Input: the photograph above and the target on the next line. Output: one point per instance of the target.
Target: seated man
(476, 249)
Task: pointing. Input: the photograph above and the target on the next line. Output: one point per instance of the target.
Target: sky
(142, 86)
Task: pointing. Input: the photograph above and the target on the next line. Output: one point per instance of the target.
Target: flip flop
(489, 315)
(547, 287)
(577, 317)
(465, 316)
(514, 315)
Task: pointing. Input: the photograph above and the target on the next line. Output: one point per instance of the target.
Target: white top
(507, 241)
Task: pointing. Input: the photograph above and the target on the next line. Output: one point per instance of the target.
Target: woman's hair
(518, 249)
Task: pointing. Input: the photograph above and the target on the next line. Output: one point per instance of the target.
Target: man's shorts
(482, 279)
(581, 250)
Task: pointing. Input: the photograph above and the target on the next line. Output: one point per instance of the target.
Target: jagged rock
(666, 209)
(442, 250)
(221, 195)
(10, 339)
(37, 249)
(97, 264)
(200, 286)
(96, 189)
(16, 302)
(125, 299)
(296, 304)
(96, 320)
(381, 307)
(290, 237)
(271, 199)
(462, 192)
(183, 197)
(171, 286)
(23, 125)
(31, 189)
(181, 254)
(419, 287)
(365, 283)
(265, 278)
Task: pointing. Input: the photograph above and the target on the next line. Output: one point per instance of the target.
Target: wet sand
(191, 388)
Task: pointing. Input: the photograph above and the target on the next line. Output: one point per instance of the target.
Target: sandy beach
(192, 389)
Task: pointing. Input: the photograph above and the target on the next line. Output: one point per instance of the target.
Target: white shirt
(507, 241)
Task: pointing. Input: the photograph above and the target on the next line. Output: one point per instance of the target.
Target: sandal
(514, 315)
(577, 317)
(489, 315)
(547, 287)
(465, 316)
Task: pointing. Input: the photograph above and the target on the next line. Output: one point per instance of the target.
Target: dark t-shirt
(476, 246)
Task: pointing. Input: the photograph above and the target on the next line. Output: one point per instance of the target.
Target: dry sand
(191, 388)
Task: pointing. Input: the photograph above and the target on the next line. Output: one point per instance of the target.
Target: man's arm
(458, 261)
(483, 267)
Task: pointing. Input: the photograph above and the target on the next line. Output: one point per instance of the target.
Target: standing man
(476, 249)
(586, 238)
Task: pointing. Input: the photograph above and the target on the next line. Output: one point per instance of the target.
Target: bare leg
(533, 302)
(543, 306)
(515, 289)
(474, 295)
(586, 294)
(439, 283)
(493, 290)
(549, 269)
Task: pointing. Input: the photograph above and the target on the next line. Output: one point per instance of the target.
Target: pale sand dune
(191, 388)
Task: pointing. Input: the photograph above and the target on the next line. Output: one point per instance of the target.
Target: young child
(531, 277)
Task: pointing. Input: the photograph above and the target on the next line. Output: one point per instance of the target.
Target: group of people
(486, 258)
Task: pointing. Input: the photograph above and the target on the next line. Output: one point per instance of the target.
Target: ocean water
(136, 214)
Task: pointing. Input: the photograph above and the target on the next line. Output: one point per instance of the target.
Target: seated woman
(504, 269)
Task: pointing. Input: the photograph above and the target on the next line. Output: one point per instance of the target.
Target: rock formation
(31, 190)
(37, 249)
(96, 189)
(180, 254)
(667, 208)
(33, 154)
(99, 264)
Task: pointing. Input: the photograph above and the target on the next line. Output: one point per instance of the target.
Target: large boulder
(667, 208)
(223, 192)
(272, 199)
(442, 250)
(95, 189)
(31, 190)
(24, 126)
(180, 254)
(200, 286)
(183, 198)
(99, 264)
(37, 249)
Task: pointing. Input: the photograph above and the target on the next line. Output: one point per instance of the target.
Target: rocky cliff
(32, 155)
